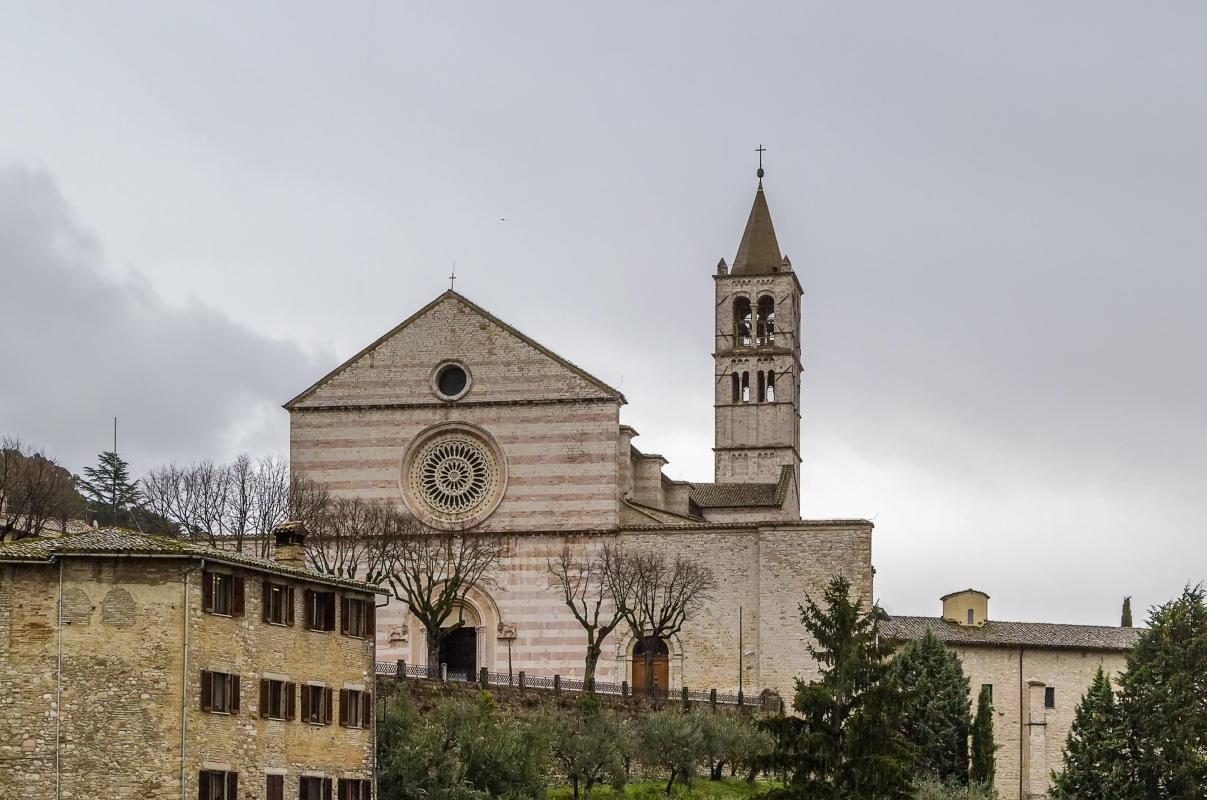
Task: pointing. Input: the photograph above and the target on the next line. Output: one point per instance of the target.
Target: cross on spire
(453, 277)
(760, 150)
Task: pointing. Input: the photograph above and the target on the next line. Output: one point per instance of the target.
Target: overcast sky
(999, 216)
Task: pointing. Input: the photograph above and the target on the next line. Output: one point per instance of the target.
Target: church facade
(470, 424)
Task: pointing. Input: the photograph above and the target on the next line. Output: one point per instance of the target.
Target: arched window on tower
(737, 387)
(762, 387)
(741, 322)
(770, 386)
(766, 321)
(971, 616)
(745, 387)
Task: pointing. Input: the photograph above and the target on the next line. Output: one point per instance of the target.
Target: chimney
(290, 543)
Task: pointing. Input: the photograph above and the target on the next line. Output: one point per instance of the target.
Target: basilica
(471, 424)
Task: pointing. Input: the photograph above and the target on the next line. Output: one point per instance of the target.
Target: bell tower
(757, 357)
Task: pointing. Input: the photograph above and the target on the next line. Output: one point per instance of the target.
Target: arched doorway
(459, 650)
(662, 671)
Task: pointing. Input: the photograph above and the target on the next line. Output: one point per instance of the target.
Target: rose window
(453, 478)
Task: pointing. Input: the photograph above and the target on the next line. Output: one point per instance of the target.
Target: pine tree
(1163, 703)
(1125, 620)
(983, 748)
(1093, 749)
(935, 713)
(849, 745)
(109, 490)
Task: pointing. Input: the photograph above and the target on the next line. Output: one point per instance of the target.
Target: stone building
(1037, 673)
(470, 424)
(136, 667)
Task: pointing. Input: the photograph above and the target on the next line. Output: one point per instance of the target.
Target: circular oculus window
(453, 476)
(450, 380)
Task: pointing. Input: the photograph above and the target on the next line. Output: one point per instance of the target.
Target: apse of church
(468, 423)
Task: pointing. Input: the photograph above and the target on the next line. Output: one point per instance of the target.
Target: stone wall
(1031, 738)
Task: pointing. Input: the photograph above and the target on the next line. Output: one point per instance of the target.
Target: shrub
(931, 788)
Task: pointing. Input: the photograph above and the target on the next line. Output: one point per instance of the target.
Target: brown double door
(662, 668)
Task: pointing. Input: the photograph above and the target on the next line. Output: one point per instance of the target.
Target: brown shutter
(305, 702)
(263, 698)
(207, 691)
(237, 592)
(343, 707)
(308, 610)
(289, 606)
(330, 612)
(203, 786)
(343, 615)
(265, 601)
(234, 694)
(366, 710)
(207, 591)
(232, 786)
(301, 789)
(290, 690)
(370, 618)
(327, 703)
(326, 789)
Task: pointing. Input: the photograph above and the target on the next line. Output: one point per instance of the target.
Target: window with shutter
(219, 692)
(278, 604)
(213, 785)
(218, 595)
(274, 787)
(276, 699)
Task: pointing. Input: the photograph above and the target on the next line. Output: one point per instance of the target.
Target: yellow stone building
(1037, 672)
(138, 667)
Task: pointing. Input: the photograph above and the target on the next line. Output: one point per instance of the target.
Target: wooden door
(662, 669)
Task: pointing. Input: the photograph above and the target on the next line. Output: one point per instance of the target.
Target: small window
(742, 322)
(1049, 697)
(987, 688)
(745, 387)
(766, 320)
(971, 616)
(355, 789)
(356, 617)
(274, 787)
(770, 386)
(762, 386)
(213, 785)
(219, 693)
(355, 708)
(320, 610)
(316, 705)
(737, 387)
(222, 594)
(277, 699)
(451, 380)
(278, 603)
(314, 788)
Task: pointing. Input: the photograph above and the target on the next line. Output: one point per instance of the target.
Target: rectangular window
(988, 688)
(274, 787)
(314, 788)
(276, 699)
(320, 610)
(355, 789)
(356, 617)
(278, 603)
(222, 594)
(355, 708)
(1049, 697)
(316, 705)
(219, 692)
(213, 785)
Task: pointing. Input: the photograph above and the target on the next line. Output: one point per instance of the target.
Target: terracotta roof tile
(995, 633)
(742, 495)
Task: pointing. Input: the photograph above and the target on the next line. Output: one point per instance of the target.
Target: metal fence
(520, 680)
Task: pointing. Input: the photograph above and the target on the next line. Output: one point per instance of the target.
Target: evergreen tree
(1163, 703)
(983, 748)
(935, 713)
(109, 491)
(849, 745)
(1093, 749)
(1125, 620)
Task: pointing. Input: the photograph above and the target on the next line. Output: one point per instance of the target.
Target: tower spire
(759, 251)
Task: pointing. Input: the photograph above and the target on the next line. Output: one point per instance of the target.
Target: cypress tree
(848, 745)
(1093, 749)
(1125, 620)
(109, 490)
(1163, 703)
(983, 747)
(935, 713)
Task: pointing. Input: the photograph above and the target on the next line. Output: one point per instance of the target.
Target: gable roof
(996, 633)
(743, 495)
(608, 390)
(120, 542)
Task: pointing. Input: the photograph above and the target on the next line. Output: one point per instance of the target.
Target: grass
(701, 789)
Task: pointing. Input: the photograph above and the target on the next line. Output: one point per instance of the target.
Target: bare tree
(597, 588)
(347, 536)
(34, 490)
(665, 594)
